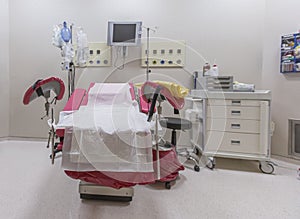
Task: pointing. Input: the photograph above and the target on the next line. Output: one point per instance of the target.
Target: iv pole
(147, 60)
(157, 117)
(147, 57)
(71, 71)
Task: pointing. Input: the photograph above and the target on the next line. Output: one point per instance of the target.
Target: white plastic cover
(82, 47)
(109, 134)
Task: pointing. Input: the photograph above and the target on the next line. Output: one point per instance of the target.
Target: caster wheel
(266, 168)
(196, 168)
(211, 163)
(168, 185)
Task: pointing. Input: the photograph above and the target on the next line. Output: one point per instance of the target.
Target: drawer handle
(236, 102)
(235, 142)
(235, 112)
(235, 126)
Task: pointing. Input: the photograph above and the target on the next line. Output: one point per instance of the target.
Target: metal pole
(157, 148)
(147, 61)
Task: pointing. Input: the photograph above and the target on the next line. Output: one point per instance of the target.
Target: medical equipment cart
(236, 125)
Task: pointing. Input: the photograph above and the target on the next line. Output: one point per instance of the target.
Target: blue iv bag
(66, 33)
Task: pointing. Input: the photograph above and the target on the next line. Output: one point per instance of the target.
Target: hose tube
(155, 95)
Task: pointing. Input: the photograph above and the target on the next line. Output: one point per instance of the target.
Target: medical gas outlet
(164, 54)
(99, 55)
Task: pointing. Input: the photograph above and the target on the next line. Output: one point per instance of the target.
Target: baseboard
(292, 160)
(16, 138)
(4, 138)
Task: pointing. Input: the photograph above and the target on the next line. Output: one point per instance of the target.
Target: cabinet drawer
(220, 102)
(233, 125)
(234, 112)
(233, 142)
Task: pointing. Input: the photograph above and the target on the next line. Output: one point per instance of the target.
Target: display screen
(124, 33)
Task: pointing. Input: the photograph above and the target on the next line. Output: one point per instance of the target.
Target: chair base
(98, 192)
(184, 152)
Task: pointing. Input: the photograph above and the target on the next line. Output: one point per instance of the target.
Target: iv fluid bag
(82, 48)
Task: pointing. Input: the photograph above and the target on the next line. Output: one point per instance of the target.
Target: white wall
(4, 68)
(229, 32)
(281, 18)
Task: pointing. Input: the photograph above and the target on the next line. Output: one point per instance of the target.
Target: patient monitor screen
(124, 33)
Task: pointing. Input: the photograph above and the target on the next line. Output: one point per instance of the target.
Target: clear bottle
(298, 174)
(206, 69)
(215, 70)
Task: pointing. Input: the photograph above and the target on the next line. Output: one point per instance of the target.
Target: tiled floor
(30, 187)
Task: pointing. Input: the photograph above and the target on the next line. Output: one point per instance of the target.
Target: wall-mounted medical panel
(164, 54)
(99, 55)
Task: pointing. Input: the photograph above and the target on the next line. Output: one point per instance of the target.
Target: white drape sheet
(108, 134)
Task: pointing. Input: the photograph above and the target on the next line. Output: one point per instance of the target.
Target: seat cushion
(175, 123)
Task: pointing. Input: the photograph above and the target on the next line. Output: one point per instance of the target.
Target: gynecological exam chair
(43, 88)
(108, 142)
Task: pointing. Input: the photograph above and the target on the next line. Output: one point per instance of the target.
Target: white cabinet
(237, 125)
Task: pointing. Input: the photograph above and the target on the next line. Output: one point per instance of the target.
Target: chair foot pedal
(106, 198)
